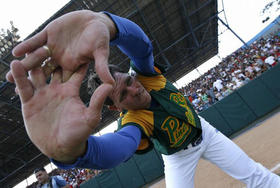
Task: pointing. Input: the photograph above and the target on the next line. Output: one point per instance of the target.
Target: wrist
(71, 156)
(107, 20)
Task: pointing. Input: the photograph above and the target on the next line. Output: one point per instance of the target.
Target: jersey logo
(177, 133)
(180, 99)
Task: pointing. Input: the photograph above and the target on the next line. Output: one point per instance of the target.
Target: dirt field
(261, 143)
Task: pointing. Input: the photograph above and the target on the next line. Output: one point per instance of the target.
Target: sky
(243, 16)
(28, 15)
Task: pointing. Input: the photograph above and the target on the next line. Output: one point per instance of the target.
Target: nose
(132, 90)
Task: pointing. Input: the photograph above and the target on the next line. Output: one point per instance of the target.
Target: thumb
(101, 56)
(97, 100)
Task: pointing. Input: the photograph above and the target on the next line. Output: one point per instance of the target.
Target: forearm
(107, 151)
(133, 42)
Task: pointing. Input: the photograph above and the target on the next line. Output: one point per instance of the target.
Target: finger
(16, 90)
(37, 77)
(93, 112)
(79, 75)
(101, 65)
(33, 59)
(23, 84)
(31, 44)
(57, 76)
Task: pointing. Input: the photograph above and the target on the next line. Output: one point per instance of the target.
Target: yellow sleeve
(144, 120)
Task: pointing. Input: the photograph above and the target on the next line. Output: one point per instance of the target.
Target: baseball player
(153, 112)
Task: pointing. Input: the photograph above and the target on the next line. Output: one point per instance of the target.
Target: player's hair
(39, 169)
(94, 81)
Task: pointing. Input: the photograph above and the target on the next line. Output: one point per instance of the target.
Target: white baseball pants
(221, 151)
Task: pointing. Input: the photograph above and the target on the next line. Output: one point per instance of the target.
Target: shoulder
(137, 116)
(59, 180)
(58, 177)
(156, 82)
(141, 118)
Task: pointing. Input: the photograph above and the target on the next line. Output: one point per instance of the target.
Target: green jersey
(170, 125)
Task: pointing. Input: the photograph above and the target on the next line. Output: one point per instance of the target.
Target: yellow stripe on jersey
(152, 82)
(143, 118)
(144, 144)
(157, 70)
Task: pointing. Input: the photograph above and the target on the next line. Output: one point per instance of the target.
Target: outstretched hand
(56, 119)
(73, 39)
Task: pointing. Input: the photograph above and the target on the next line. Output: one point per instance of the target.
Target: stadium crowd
(231, 73)
(73, 177)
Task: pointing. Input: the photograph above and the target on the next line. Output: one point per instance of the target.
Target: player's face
(41, 176)
(129, 93)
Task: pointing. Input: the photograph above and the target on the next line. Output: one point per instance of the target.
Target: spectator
(244, 80)
(218, 84)
(45, 181)
(270, 60)
(204, 97)
(219, 95)
(227, 90)
(211, 94)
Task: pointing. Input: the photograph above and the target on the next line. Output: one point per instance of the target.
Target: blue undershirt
(109, 150)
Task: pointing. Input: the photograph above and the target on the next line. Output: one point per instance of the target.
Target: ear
(114, 108)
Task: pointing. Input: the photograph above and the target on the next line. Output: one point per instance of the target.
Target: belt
(195, 142)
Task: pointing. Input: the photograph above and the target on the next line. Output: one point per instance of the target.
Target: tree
(8, 39)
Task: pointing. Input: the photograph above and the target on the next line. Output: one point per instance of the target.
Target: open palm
(56, 119)
(74, 39)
